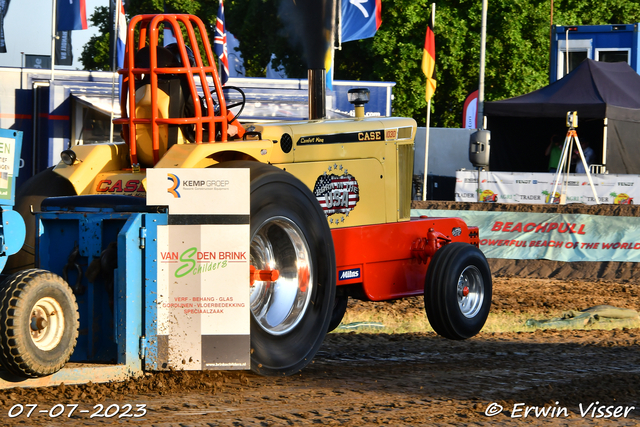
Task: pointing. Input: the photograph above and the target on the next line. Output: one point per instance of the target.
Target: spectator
(554, 152)
(588, 157)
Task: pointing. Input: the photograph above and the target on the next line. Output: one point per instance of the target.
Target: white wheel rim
(279, 244)
(46, 323)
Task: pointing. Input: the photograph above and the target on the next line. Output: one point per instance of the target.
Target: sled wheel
(458, 290)
(289, 233)
(38, 323)
(339, 309)
(37, 188)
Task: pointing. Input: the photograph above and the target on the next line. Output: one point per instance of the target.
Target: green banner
(559, 237)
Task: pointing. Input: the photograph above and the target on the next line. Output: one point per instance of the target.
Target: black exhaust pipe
(317, 99)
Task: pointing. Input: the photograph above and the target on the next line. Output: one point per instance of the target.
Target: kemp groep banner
(558, 237)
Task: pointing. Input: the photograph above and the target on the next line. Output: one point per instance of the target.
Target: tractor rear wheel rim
(279, 244)
(470, 291)
(46, 323)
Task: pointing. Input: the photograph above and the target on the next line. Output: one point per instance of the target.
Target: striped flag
(220, 45)
(121, 32)
(429, 60)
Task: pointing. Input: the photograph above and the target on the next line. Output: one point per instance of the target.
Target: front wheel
(457, 292)
(38, 323)
(289, 233)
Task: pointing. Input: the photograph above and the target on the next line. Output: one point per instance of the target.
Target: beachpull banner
(536, 188)
(558, 237)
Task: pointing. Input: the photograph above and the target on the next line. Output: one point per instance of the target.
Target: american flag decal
(337, 193)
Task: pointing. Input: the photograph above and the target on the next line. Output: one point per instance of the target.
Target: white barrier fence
(536, 188)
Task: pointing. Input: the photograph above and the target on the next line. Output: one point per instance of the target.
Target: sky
(27, 28)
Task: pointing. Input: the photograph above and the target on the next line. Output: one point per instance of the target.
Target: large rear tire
(458, 289)
(31, 193)
(38, 323)
(290, 233)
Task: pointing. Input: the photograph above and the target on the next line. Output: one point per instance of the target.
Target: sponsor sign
(199, 191)
(559, 237)
(9, 164)
(350, 274)
(203, 301)
(536, 188)
(203, 297)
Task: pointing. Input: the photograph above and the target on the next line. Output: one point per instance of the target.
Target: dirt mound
(608, 270)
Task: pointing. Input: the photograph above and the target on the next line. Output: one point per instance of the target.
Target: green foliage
(517, 55)
(95, 54)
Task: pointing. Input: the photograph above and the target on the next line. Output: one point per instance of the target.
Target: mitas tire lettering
(287, 351)
(455, 312)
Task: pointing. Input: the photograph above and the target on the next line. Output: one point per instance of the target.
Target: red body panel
(380, 256)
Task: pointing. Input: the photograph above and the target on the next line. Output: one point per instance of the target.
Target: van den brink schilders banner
(559, 237)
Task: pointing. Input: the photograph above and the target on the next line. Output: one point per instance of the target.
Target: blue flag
(360, 19)
(71, 15)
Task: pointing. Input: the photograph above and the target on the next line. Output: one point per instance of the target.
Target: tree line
(517, 55)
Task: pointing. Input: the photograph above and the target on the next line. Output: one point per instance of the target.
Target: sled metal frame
(133, 320)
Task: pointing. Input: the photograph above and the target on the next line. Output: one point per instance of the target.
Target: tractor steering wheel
(240, 104)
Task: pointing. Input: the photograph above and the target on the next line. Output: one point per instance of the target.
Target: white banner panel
(203, 291)
(536, 188)
(558, 237)
(203, 301)
(199, 191)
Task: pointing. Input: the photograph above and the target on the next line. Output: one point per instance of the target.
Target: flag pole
(428, 124)
(114, 55)
(426, 153)
(53, 39)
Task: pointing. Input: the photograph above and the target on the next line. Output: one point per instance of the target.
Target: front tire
(38, 323)
(289, 233)
(458, 290)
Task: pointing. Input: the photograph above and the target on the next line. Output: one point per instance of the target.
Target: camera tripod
(564, 164)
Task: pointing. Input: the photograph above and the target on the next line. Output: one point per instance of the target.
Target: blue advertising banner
(558, 237)
(360, 19)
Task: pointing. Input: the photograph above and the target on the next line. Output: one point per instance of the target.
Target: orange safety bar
(148, 29)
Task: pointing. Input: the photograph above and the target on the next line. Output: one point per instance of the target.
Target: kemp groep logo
(175, 183)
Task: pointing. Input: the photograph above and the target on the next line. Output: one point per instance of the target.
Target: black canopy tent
(607, 99)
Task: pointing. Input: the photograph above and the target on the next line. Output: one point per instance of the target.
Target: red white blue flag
(121, 32)
(72, 15)
(220, 45)
(360, 19)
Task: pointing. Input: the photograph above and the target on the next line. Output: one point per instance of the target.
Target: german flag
(429, 60)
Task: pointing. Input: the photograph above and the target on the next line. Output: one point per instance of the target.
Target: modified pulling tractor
(329, 219)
